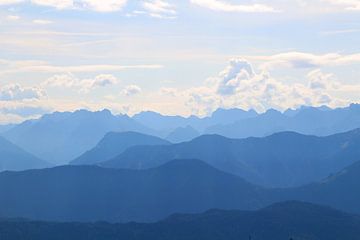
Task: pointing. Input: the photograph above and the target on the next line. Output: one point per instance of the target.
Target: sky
(176, 57)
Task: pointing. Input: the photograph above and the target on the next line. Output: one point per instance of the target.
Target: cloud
(219, 5)
(9, 2)
(351, 5)
(240, 86)
(306, 60)
(131, 90)
(172, 92)
(15, 92)
(13, 17)
(319, 80)
(58, 4)
(238, 70)
(104, 5)
(83, 85)
(159, 9)
(38, 66)
(93, 5)
(24, 110)
(42, 21)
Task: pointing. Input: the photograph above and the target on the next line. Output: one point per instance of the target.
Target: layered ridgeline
(114, 144)
(281, 160)
(6, 127)
(90, 193)
(237, 123)
(288, 220)
(61, 137)
(167, 124)
(182, 134)
(341, 190)
(16, 159)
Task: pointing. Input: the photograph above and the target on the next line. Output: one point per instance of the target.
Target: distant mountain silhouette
(281, 160)
(341, 190)
(306, 120)
(114, 144)
(288, 220)
(7, 127)
(16, 159)
(61, 137)
(167, 124)
(182, 134)
(90, 193)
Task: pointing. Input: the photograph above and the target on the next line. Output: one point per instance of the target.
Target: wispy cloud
(15, 92)
(159, 9)
(351, 5)
(43, 67)
(42, 21)
(93, 5)
(306, 60)
(13, 17)
(83, 85)
(220, 5)
(131, 90)
(342, 31)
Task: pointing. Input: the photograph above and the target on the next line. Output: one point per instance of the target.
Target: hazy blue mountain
(182, 134)
(7, 127)
(115, 143)
(167, 124)
(281, 160)
(16, 159)
(160, 122)
(288, 220)
(90, 193)
(61, 137)
(226, 116)
(341, 190)
(320, 121)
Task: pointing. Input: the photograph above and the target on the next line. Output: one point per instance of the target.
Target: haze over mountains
(90, 193)
(114, 144)
(62, 137)
(295, 220)
(307, 120)
(16, 159)
(126, 169)
(263, 161)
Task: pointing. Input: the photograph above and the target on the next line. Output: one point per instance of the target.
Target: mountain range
(306, 120)
(287, 220)
(90, 193)
(61, 137)
(114, 144)
(16, 159)
(284, 159)
(238, 123)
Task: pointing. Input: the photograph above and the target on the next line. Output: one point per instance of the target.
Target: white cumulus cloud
(240, 85)
(131, 90)
(159, 9)
(224, 6)
(83, 85)
(104, 5)
(16, 92)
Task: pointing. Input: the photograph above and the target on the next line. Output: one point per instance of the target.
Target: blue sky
(176, 57)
